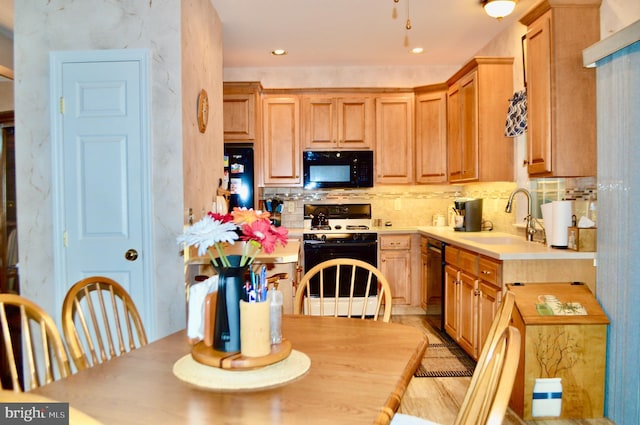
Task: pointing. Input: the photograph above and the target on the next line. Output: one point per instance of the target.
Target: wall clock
(203, 110)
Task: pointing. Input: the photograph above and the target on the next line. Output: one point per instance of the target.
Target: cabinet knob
(525, 162)
(485, 272)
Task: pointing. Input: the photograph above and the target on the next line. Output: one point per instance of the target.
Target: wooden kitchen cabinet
(394, 139)
(431, 134)
(424, 272)
(477, 103)
(241, 112)
(281, 141)
(472, 297)
(395, 265)
(561, 92)
(331, 123)
(460, 307)
(572, 347)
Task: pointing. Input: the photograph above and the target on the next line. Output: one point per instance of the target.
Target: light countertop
(498, 245)
(502, 246)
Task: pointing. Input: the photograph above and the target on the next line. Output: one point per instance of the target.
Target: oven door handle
(321, 244)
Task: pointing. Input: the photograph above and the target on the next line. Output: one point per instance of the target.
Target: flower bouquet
(219, 230)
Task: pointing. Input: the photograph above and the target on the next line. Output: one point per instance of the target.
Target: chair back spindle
(33, 337)
(100, 322)
(330, 302)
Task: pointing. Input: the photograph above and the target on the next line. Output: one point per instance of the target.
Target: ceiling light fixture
(417, 50)
(278, 52)
(394, 12)
(498, 8)
(407, 26)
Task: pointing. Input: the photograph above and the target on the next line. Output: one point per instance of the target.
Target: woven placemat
(212, 378)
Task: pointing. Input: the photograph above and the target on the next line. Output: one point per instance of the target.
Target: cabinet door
(538, 41)
(488, 302)
(239, 117)
(319, 115)
(355, 123)
(462, 114)
(431, 137)
(337, 123)
(469, 126)
(281, 147)
(454, 133)
(451, 313)
(395, 264)
(394, 140)
(424, 272)
(467, 306)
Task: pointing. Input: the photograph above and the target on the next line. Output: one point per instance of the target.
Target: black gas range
(338, 231)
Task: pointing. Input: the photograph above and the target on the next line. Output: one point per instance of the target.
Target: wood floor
(438, 399)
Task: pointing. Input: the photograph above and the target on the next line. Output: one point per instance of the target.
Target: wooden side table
(571, 347)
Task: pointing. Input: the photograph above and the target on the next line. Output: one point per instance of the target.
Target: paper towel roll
(561, 219)
(557, 218)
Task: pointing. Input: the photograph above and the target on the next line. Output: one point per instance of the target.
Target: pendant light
(498, 8)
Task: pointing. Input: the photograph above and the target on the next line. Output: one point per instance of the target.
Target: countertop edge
(526, 251)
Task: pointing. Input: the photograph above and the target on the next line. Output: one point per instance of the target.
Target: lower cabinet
(472, 297)
(395, 264)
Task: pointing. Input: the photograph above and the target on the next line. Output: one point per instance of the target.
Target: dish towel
(516, 124)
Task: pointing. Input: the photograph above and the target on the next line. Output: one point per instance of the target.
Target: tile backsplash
(415, 205)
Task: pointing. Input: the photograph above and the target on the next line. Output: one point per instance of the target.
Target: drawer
(451, 255)
(489, 271)
(398, 242)
(468, 262)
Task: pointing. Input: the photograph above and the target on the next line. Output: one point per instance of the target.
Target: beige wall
(201, 69)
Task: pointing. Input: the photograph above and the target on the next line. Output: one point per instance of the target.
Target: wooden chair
(31, 343)
(76, 417)
(111, 313)
(495, 405)
(344, 270)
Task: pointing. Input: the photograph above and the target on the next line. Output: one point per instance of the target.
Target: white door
(101, 158)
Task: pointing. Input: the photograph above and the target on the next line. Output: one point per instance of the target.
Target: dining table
(358, 373)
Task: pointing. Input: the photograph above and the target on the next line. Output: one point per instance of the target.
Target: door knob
(131, 255)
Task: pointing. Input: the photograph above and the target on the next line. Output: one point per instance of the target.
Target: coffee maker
(469, 215)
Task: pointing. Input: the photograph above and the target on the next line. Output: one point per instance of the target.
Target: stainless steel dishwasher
(435, 278)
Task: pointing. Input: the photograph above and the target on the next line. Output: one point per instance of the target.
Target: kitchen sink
(494, 240)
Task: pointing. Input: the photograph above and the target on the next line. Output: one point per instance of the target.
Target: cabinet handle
(485, 272)
(476, 292)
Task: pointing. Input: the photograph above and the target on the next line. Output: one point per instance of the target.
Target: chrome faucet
(531, 225)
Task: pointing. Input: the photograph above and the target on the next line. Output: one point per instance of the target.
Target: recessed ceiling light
(417, 50)
(278, 52)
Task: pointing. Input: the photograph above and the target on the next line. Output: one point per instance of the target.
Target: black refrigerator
(239, 175)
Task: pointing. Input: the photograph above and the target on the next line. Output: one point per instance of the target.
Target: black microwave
(337, 169)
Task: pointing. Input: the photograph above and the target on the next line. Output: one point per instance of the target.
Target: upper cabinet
(431, 134)
(394, 139)
(561, 93)
(331, 122)
(241, 112)
(477, 104)
(281, 155)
